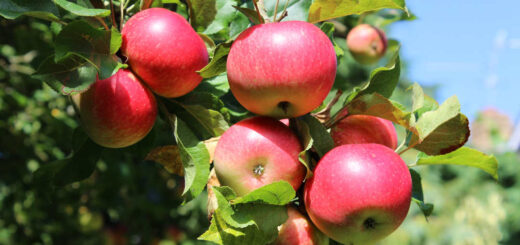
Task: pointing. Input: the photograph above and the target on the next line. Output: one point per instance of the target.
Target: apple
(164, 51)
(258, 151)
(118, 111)
(283, 69)
(299, 230)
(366, 43)
(363, 129)
(359, 193)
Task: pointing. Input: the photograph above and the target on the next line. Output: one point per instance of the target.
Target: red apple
(359, 193)
(164, 50)
(363, 129)
(281, 69)
(366, 43)
(118, 111)
(299, 230)
(258, 151)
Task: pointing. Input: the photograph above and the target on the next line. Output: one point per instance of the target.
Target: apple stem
(260, 10)
(275, 10)
(324, 115)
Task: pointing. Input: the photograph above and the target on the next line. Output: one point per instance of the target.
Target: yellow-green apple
(164, 50)
(281, 70)
(363, 129)
(366, 43)
(359, 193)
(255, 152)
(299, 230)
(118, 111)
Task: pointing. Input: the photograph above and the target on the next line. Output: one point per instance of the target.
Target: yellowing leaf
(321, 10)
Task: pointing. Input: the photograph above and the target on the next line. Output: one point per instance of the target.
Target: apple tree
(280, 114)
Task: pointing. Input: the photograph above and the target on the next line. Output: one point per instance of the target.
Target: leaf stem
(324, 114)
(102, 23)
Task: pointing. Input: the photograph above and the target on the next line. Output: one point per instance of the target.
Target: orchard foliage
(82, 41)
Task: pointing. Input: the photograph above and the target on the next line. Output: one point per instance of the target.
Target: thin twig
(324, 114)
(122, 13)
(112, 13)
(284, 12)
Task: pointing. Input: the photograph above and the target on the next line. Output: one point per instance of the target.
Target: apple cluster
(121, 110)
(359, 191)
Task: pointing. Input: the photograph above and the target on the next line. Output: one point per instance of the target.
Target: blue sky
(468, 48)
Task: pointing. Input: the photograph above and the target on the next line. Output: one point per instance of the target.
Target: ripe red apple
(118, 111)
(299, 230)
(258, 151)
(359, 193)
(164, 50)
(363, 129)
(281, 70)
(366, 43)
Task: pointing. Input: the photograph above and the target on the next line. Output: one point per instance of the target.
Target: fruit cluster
(359, 192)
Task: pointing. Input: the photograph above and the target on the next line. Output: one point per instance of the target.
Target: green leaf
(251, 14)
(417, 194)
(70, 75)
(217, 85)
(443, 130)
(228, 22)
(417, 97)
(321, 10)
(277, 193)
(217, 64)
(322, 141)
(82, 11)
(115, 40)
(43, 9)
(211, 120)
(464, 156)
(80, 166)
(296, 9)
(328, 29)
(252, 219)
(384, 79)
(94, 45)
(195, 159)
(204, 12)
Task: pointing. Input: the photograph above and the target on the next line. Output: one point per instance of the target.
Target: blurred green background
(131, 201)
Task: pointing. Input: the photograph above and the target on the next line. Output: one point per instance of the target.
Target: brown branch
(113, 15)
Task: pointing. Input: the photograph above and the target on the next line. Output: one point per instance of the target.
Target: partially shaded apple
(363, 129)
(258, 151)
(118, 111)
(299, 230)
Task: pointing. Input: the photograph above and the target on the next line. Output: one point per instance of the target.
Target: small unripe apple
(299, 230)
(258, 151)
(164, 50)
(366, 43)
(359, 193)
(363, 129)
(118, 111)
(281, 70)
